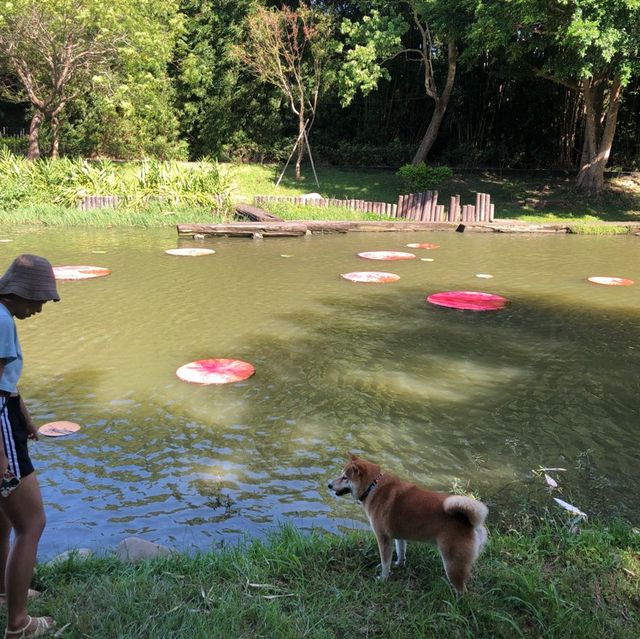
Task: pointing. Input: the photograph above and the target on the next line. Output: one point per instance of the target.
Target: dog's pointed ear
(351, 456)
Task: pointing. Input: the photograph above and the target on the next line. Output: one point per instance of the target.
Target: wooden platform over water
(279, 229)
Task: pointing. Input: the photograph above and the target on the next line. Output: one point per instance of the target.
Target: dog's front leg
(386, 553)
(401, 551)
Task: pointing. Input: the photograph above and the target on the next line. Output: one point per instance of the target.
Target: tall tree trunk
(432, 133)
(302, 143)
(55, 136)
(441, 103)
(34, 132)
(591, 175)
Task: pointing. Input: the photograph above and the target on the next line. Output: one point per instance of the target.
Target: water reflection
(443, 396)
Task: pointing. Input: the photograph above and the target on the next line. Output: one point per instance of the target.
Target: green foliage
(344, 153)
(535, 580)
(563, 40)
(224, 110)
(370, 41)
(421, 177)
(117, 98)
(65, 182)
(15, 145)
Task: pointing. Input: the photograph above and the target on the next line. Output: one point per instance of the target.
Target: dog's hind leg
(458, 560)
(385, 548)
(401, 552)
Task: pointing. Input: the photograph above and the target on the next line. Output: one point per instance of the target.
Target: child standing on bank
(26, 286)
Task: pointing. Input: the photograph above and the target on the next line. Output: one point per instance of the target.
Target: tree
(223, 107)
(432, 29)
(292, 50)
(79, 53)
(590, 46)
(54, 51)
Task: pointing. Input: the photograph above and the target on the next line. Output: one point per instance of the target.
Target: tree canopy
(508, 83)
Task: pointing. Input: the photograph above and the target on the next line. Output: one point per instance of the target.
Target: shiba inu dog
(401, 511)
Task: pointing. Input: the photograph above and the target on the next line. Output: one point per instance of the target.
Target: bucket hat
(30, 277)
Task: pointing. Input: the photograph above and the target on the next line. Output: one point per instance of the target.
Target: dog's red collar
(369, 488)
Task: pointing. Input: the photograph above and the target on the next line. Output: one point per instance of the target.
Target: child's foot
(35, 627)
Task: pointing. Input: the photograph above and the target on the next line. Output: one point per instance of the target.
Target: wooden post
(415, 202)
(399, 206)
(440, 213)
(477, 210)
(434, 208)
(394, 210)
(492, 210)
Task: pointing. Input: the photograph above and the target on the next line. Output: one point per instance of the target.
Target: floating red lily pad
(215, 371)
(423, 245)
(468, 300)
(58, 429)
(379, 277)
(611, 281)
(386, 255)
(79, 272)
(190, 252)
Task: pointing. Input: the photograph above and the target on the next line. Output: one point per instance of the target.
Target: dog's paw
(399, 563)
(382, 577)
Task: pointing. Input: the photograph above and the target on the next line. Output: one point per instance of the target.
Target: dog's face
(350, 479)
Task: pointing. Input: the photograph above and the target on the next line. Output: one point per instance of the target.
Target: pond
(453, 399)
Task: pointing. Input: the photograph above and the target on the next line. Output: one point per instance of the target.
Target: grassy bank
(164, 194)
(531, 197)
(535, 579)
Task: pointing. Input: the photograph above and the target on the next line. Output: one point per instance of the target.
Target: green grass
(248, 180)
(535, 579)
(534, 197)
(47, 215)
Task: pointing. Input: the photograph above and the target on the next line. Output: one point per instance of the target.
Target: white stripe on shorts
(9, 444)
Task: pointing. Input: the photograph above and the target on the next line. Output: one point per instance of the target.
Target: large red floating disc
(374, 277)
(215, 371)
(58, 429)
(611, 281)
(468, 300)
(79, 272)
(386, 255)
(423, 245)
(190, 252)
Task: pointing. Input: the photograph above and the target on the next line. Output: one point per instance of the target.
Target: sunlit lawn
(529, 197)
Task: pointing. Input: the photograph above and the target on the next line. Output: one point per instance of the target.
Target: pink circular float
(79, 272)
(215, 371)
(190, 252)
(377, 277)
(423, 245)
(611, 281)
(386, 255)
(468, 300)
(58, 429)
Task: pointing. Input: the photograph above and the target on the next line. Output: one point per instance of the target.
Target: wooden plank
(256, 214)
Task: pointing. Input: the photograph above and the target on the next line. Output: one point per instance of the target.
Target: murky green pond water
(446, 397)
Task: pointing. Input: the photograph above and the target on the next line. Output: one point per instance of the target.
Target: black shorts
(14, 436)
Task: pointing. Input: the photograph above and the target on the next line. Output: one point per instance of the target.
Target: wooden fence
(99, 202)
(381, 208)
(422, 207)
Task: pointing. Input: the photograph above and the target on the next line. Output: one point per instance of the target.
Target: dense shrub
(18, 145)
(345, 153)
(66, 182)
(421, 177)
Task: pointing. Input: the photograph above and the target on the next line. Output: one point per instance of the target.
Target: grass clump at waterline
(151, 216)
(536, 579)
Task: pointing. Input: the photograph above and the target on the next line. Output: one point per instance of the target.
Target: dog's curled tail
(473, 509)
